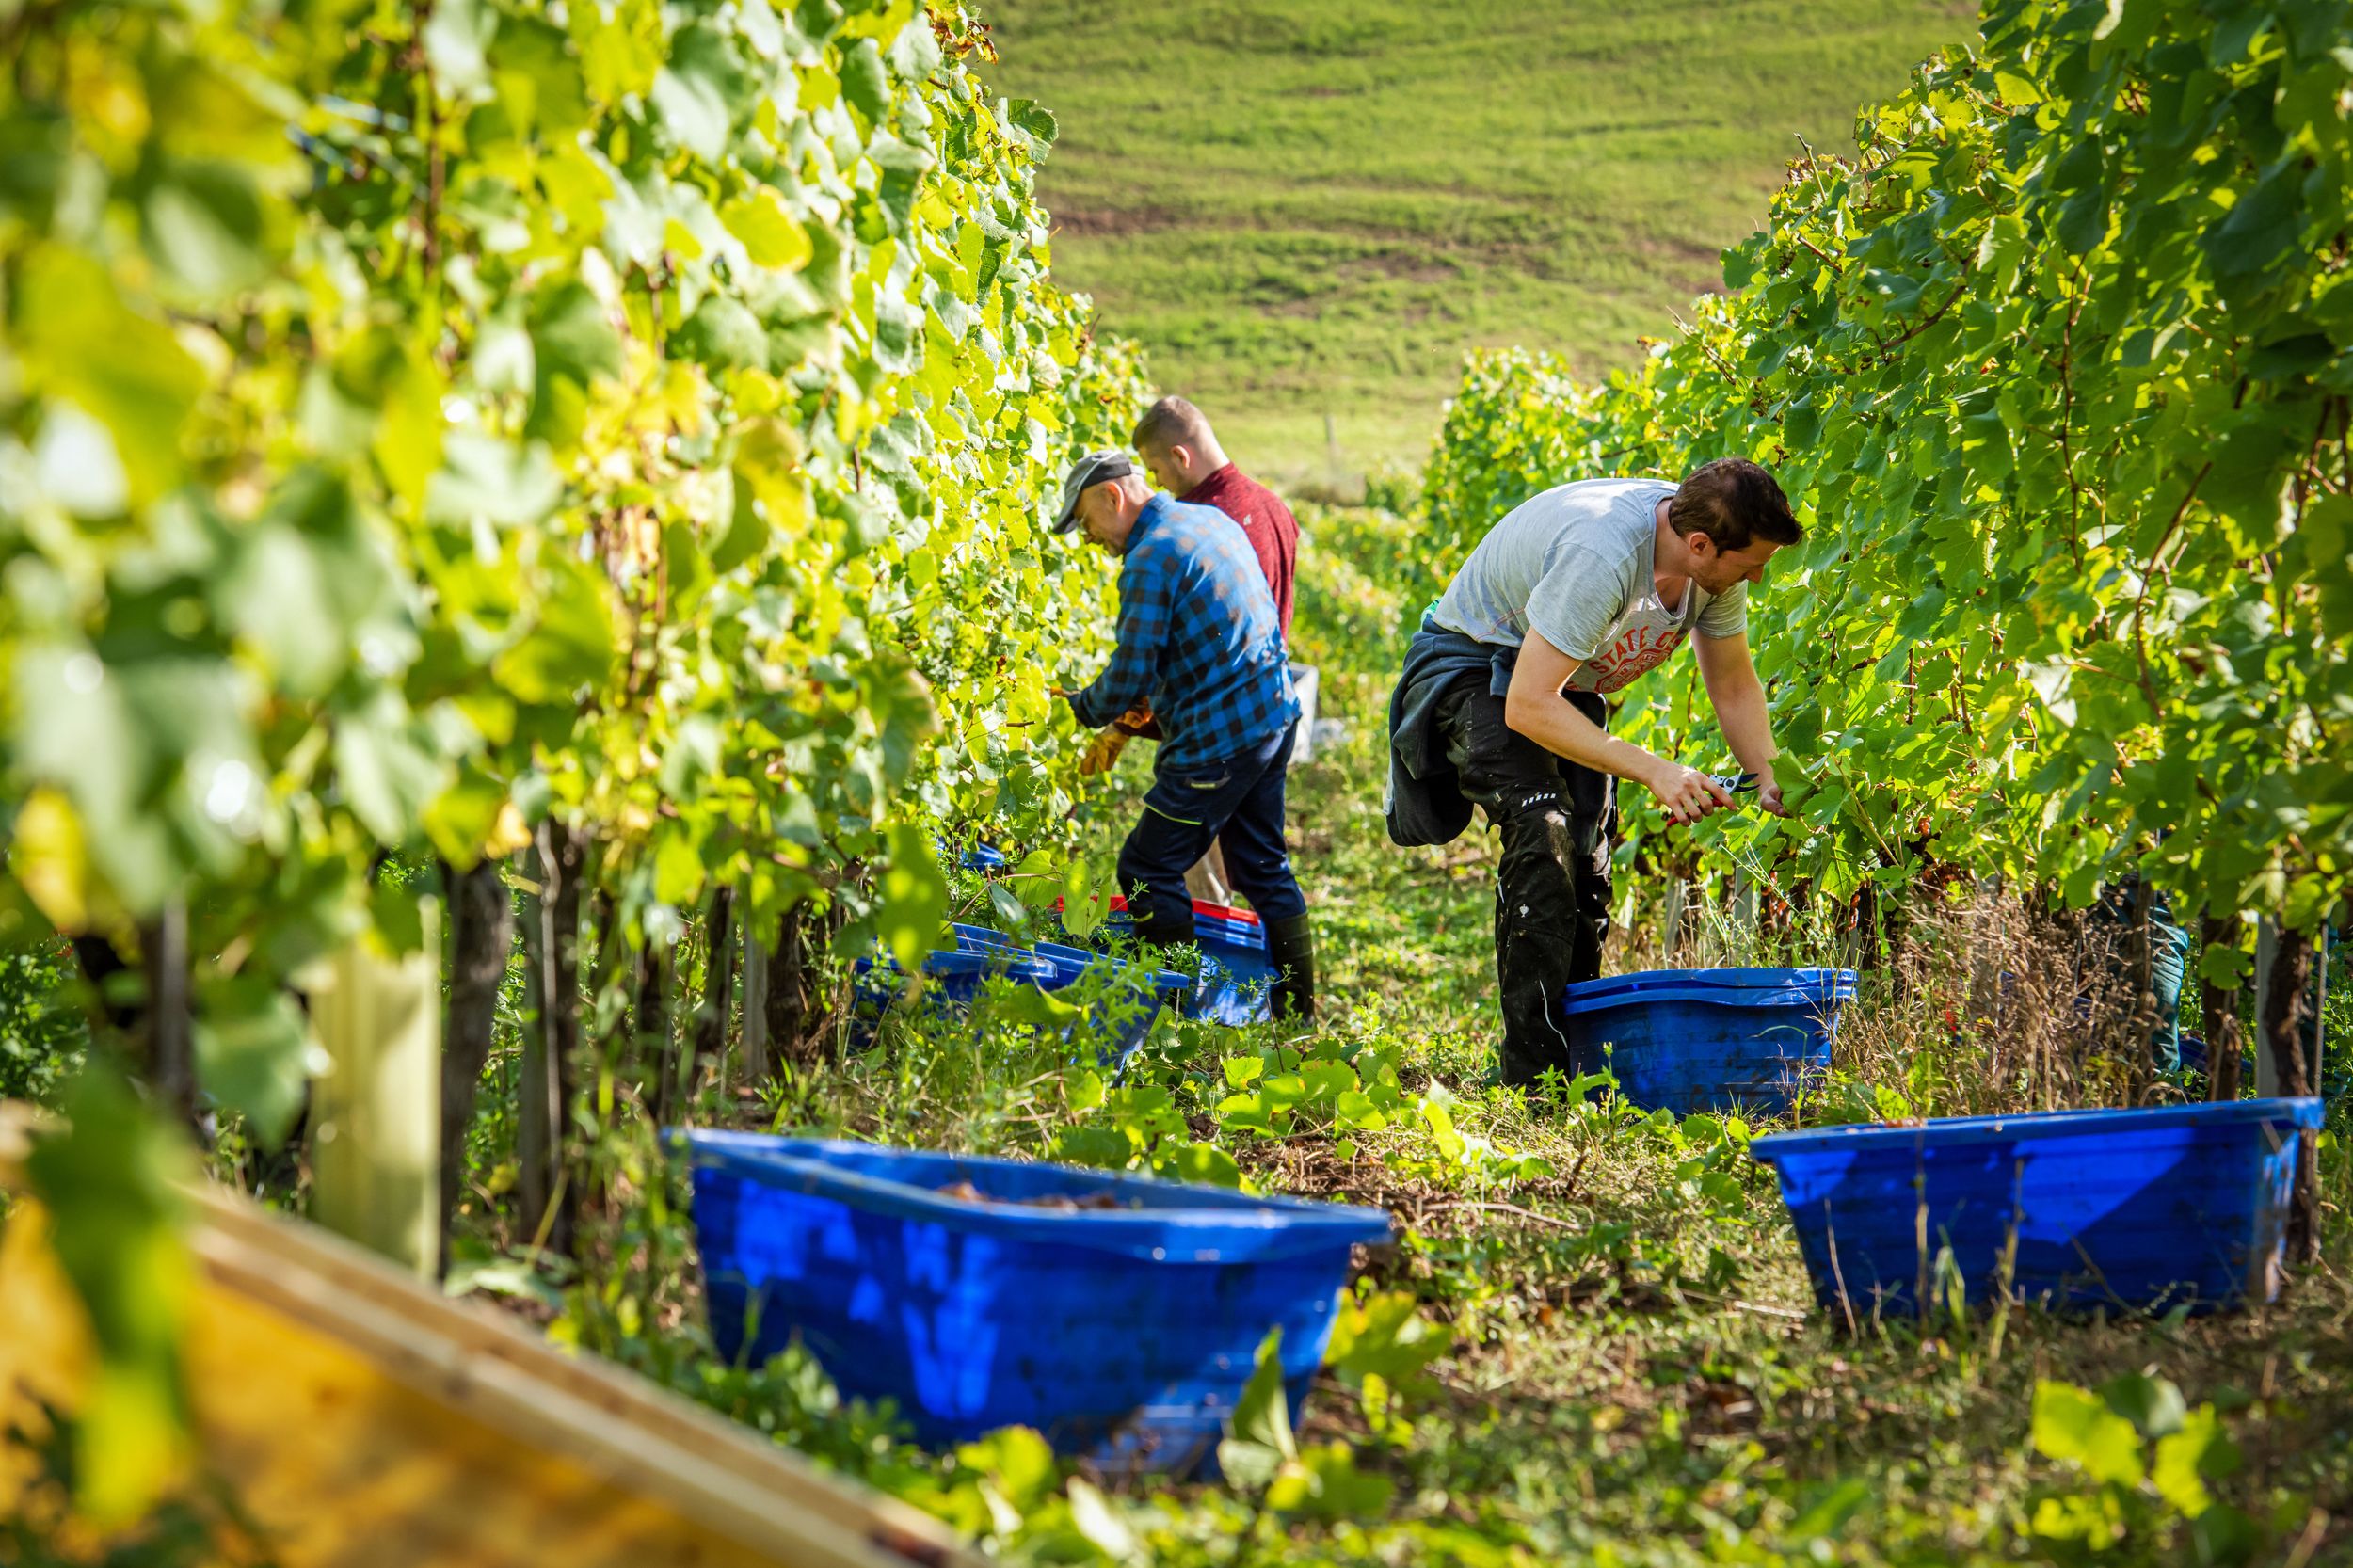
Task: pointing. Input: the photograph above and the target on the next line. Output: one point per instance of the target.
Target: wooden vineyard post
(2266, 1071)
(2315, 1036)
(171, 1025)
(710, 1033)
(481, 938)
(801, 1014)
(535, 1098)
(376, 1144)
(754, 1005)
(2268, 1080)
(2283, 1046)
(795, 1012)
(657, 1044)
(552, 1039)
(2220, 1022)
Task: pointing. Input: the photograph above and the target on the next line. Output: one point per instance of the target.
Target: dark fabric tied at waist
(1424, 803)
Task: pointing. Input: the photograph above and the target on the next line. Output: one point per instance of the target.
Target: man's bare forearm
(1748, 726)
(1555, 724)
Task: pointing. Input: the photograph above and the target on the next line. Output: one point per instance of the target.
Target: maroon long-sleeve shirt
(1273, 532)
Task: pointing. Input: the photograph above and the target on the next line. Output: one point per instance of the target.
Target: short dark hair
(1735, 503)
(1171, 421)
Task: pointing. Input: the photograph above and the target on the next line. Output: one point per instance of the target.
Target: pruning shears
(1734, 783)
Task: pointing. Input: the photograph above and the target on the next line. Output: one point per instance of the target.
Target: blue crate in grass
(1688, 1040)
(1124, 1014)
(1123, 1332)
(952, 981)
(2179, 1206)
(1237, 974)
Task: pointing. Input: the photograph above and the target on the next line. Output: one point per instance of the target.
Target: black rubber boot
(1290, 947)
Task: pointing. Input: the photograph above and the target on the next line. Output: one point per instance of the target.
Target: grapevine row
(434, 429)
(2058, 372)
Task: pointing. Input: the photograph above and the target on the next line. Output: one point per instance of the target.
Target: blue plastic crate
(1687, 1040)
(981, 857)
(1125, 1332)
(951, 983)
(1124, 1018)
(1237, 975)
(2180, 1205)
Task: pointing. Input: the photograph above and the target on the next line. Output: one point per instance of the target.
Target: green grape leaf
(1202, 1163)
(1035, 121)
(770, 235)
(572, 342)
(864, 83)
(702, 89)
(387, 766)
(125, 370)
(914, 896)
(2153, 1405)
(1384, 1335)
(570, 644)
(487, 480)
(2199, 1451)
(202, 223)
(456, 37)
(254, 1055)
(2077, 1426)
(1325, 1484)
(1258, 1437)
(723, 334)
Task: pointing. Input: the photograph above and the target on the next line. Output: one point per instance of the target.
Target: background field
(1312, 207)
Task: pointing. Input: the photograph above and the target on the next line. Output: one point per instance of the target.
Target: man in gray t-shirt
(1571, 596)
(1578, 563)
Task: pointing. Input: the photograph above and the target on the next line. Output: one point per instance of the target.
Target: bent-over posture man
(1199, 641)
(1573, 594)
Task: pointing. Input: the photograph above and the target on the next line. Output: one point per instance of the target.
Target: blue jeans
(1239, 800)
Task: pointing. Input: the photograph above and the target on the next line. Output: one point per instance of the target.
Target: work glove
(1103, 750)
(1109, 743)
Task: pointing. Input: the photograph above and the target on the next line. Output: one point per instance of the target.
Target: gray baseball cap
(1087, 472)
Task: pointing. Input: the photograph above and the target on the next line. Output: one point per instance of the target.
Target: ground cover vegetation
(1592, 1337)
(1258, 196)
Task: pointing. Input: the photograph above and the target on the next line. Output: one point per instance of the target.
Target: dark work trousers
(1552, 895)
(1238, 801)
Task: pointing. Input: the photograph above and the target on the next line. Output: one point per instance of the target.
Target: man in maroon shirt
(1182, 454)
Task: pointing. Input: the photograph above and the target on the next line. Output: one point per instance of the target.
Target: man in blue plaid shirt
(1200, 643)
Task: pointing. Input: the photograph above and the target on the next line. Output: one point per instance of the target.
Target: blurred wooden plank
(362, 1418)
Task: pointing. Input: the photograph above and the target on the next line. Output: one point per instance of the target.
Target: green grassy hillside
(1312, 206)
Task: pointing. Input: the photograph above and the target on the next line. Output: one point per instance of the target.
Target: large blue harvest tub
(2179, 1206)
(1124, 1331)
(1690, 1040)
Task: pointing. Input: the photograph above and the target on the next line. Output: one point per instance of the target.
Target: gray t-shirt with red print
(1576, 563)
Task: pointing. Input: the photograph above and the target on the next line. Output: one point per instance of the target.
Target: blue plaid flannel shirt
(1198, 636)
